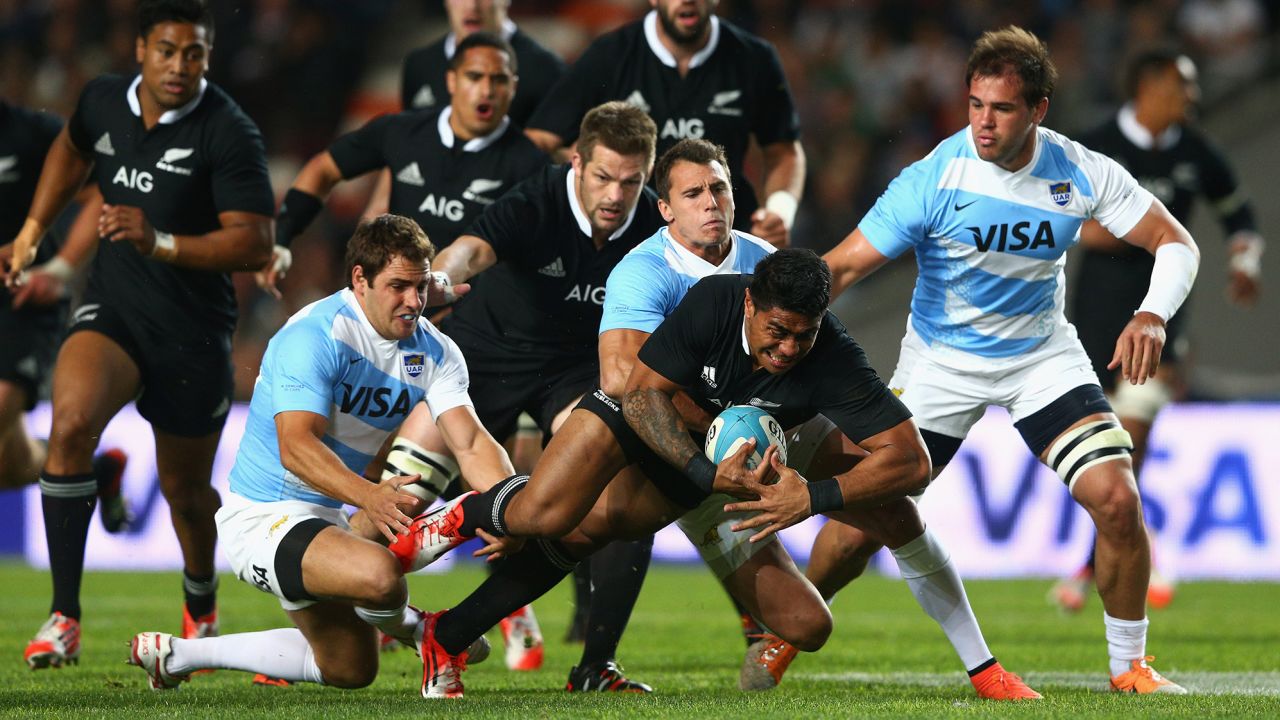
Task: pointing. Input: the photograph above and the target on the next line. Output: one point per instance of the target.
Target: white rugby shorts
(250, 533)
(950, 401)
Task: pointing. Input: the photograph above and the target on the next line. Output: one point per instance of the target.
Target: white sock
(1126, 642)
(282, 653)
(399, 622)
(927, 568)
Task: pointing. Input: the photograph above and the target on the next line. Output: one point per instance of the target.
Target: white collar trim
(1139, 135)
(697, 266)
(451, 40)
(655, 43)
(475, 144)
(168, 117)
(584, 223)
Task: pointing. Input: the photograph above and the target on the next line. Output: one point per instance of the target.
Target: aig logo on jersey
(683, 129)
(139, 180)
(1060, 193)
(413, 363)
(173, 155)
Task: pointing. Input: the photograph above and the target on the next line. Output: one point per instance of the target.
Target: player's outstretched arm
(48, 283)
(303, 453)
(65, 171)
(850, 261)
(243, 243)
(1138, 348)
(481, 459)
(303, 201)
(465, 258)
(784, 168)
(618, 349)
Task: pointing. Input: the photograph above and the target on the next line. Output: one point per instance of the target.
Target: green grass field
(885, 659)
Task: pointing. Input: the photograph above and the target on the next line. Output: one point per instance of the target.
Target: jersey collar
(168, 117)
(1137, 133)
(451, 40)
(685, 261)
(475, 144)
(655, 43)
(584, 224)
(383, 345)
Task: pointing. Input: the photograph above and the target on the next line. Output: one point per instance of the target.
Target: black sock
(201, 594)
(67, 502)
(581, 596)
(487, 510)
(617, 572)
(523, 578)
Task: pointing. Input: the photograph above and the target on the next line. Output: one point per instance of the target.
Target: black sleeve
(362, 150)
(47, 127)
(77, 129)
(1222, 190)
(677, 347)
(410, 80)
(583, 87)
(775, 118)
(239, 177)
(852, 395)
(511, 224)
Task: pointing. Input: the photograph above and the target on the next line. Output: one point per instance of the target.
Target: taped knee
(1083, 447)
(408, 458)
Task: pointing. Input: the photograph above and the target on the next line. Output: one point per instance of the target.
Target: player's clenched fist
(123, 223)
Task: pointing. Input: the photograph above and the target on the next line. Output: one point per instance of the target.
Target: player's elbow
(613, 380)
(259, 241)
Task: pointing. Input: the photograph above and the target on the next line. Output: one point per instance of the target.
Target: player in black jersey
(424, 84)
(597, 481)
(698, 77)
(183, 175)
(1151, 136)
(449, 164)
(528, 328)
(33, 317)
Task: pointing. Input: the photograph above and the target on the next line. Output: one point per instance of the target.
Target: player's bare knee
(343, 673)
(806, 628)
(73, 434)
(1116, 510)
(383, 582)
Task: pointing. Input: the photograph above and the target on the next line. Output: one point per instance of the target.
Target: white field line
(1200, 683)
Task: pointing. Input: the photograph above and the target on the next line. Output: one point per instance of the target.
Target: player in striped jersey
(990, 214)
(335, 383)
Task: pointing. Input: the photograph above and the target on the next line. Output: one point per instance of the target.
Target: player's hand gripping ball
(739, 423)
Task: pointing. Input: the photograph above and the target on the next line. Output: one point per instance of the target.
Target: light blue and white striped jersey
(652, 279)
(329, 360)
(990, 244)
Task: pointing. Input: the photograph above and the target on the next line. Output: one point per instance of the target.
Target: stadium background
(878, 83)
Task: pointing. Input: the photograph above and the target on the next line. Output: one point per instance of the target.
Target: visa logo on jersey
(373, 402)
(1007, 237)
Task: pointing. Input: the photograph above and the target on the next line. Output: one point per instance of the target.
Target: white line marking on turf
(1200, 683)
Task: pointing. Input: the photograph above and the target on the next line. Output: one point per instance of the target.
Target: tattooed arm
(648, 407)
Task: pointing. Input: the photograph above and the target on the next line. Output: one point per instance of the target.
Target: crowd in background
(878, 82)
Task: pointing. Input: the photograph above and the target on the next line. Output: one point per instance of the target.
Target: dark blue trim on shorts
(289, 558)
(1044, 425)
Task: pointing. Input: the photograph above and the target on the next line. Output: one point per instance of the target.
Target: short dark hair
(619, 126)
(1014, 50)
(793, 279)
(1146, 64)
(154, 12)
(377, 241)
(696, 151)
(483, 38)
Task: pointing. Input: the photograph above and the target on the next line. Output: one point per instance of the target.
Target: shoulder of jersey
(759, 244)
(526, 47)
(426, 53)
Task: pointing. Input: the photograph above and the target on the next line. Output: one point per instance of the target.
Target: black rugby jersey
(540, 304)
(202, 159)
(25, 137)
(701, 346)
(424, 86)
(441, 183)
(735, 88)
(1113, 284)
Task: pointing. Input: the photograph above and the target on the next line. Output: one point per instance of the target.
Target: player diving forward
(336, 382)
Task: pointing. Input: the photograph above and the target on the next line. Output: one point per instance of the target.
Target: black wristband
(702, 472)
(296, 213)
(825, 496)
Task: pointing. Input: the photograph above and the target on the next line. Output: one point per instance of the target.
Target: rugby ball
(736, 425)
